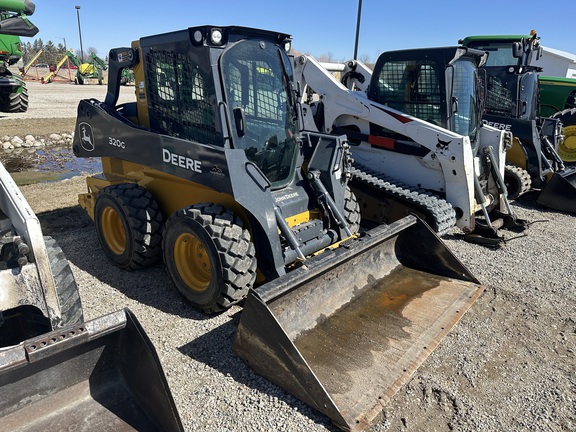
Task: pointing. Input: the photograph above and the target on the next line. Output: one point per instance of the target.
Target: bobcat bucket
(345, 332)
(101, 375)
(560, 191)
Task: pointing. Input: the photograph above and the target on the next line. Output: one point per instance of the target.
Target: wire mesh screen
(499, 98)
(411, 87)
(179, 98)
(263, 97)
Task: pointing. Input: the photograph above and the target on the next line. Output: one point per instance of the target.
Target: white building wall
(557, 63)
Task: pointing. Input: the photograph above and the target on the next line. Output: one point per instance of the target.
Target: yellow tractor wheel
(128, 225)
(113, 230)
(567, 144)
(567, 148)
(209, 256)
(192, 261)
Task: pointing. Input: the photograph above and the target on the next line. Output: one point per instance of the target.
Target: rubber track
(66, 288)
(440, 215)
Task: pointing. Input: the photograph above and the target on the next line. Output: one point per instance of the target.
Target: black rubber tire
(517, 181)
(15, 102)
(567, 116)
(568, 119)
(352, 210)
(129, 225)
(66, 288)
(209, 256)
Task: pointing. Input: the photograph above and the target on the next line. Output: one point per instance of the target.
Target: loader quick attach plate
(347, 332)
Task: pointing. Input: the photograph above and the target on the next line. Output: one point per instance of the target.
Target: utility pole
(80, 33)
(357, 30)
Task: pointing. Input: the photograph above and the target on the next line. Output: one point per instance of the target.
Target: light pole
(357, 29)
(80, 33)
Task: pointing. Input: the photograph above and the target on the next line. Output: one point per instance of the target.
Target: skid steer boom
(101, 375)
(344, 333)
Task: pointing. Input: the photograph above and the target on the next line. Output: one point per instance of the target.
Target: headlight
(216, 36)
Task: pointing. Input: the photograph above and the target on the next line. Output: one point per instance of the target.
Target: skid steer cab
(209, 170)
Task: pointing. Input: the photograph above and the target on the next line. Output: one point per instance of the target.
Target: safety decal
(442, 145)
(217, 171)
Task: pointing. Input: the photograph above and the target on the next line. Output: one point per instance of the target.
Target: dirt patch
(39, 127)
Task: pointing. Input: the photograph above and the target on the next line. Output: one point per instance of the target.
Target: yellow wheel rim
(515, 155)
(113, 231)
(192, 262)
(567, 149)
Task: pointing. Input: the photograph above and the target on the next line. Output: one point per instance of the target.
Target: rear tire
(567, 149)
(15, 102)
(66, 288)
(517, 181)
(209, 256)
(129, 225)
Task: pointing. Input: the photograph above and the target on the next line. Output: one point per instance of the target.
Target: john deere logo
(86, 136)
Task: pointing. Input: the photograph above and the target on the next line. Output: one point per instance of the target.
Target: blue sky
(317, 26)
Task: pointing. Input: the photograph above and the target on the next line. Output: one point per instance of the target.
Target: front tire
(517, 181)
(352, 210)
(129, 225)
(209, 256)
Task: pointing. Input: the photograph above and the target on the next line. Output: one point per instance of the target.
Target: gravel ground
(509, 365)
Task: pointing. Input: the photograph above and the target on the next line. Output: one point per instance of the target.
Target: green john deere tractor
(515, 101)
(13, 24)
(556, 95)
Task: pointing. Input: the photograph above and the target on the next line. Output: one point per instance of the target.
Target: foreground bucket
(102, 375)
(560, 191)
(344, 333)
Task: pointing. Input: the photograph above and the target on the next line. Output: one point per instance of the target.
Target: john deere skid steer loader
(209, 169)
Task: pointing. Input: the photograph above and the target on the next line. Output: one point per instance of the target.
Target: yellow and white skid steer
(209, 170)
(416, 136)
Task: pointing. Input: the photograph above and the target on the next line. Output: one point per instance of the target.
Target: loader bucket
(344, 333)
(560, 191)
(101, 375)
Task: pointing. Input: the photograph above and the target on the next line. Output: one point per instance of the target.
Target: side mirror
(240, 121)
(517, 50)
